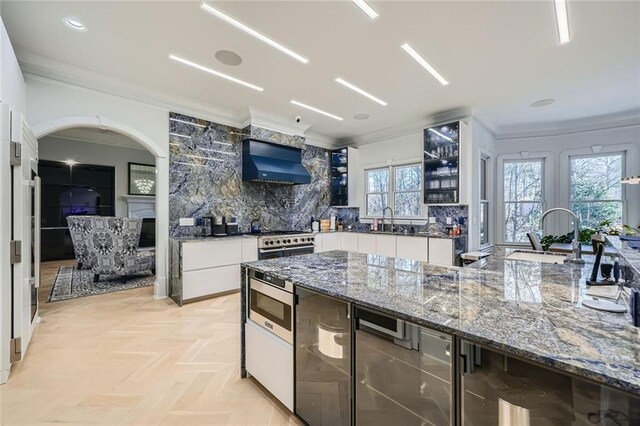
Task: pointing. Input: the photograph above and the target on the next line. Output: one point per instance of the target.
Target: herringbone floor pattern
(125, 358)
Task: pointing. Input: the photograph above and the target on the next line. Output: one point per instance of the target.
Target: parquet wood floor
(125, 358)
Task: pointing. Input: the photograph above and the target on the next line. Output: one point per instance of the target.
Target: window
(595, 188)
(484, 202)
(523, 198)
(377, 191)
(406, 196)
(402, 195)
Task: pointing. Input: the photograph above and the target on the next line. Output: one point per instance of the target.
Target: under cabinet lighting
(189, 164)
(445, 137)
(224, 143)
(175, 144)
(420, 60)
(178, 135)
(212, 10)
(202, 158)
(214, 72)
(360, 91)
(364, 6)
(562, 18)
(319, 111)
(217, 151)
(177, 120)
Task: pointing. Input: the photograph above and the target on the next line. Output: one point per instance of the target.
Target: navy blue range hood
(268, 162)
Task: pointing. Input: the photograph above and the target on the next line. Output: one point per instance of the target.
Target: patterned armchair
(109, 245)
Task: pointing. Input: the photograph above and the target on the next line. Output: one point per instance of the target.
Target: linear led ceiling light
(360, 91)
(319, 111)
(239, 25)
(562, 18)
(364, 6)
(420, 60)
(214, 72)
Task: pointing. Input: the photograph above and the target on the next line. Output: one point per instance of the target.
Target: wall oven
(271, 304)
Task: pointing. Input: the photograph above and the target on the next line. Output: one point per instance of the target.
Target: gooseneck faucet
(383, 216)
(576, 246)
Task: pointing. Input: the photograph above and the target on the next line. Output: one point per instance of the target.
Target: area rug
(71, 283)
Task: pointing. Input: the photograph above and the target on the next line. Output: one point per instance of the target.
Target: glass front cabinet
(441, 164)
(344, 164)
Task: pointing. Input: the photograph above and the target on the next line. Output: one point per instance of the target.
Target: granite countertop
(399, 233)
(211, 237)
(528, 309)
(631, 255)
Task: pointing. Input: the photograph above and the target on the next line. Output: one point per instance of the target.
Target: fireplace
(148, 233)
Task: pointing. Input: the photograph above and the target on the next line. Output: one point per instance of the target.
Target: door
(403, 374)
(322, 360)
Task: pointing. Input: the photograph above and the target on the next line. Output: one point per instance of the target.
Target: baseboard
(4, 376)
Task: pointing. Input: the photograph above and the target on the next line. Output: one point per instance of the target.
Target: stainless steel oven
(271, 304)
(285, 244)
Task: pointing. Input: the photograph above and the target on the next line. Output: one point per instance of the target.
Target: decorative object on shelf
(441, 158)
(631, 180)
(142, 179)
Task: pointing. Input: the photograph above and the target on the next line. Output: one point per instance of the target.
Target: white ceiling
(498, 56)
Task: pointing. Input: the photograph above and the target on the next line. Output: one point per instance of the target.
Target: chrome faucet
(576, 246)
(383, 216)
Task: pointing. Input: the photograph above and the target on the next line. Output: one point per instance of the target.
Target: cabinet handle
(463, 362)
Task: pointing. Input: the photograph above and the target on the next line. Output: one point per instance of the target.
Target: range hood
(268, 162)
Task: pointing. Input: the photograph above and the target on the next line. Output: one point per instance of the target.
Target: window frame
(485, 201)
(391, 193)
(504, 202)
(623, 164)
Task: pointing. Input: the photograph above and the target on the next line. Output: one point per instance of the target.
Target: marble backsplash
(205, 179)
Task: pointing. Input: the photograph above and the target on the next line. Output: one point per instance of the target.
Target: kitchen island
(515, 340)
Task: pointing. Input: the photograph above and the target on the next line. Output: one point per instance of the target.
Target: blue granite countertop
(631, 255)
(528, 309)
(398, 233)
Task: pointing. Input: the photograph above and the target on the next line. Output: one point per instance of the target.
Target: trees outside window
(523, 198)
(596, 190)
(402, 194)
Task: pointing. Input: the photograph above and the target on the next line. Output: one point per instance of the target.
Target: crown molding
(322, 141)
(49, 69)
(267, 120)
(587, 124)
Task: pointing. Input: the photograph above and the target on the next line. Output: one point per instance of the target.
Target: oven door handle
(298, 247)
(270, 250)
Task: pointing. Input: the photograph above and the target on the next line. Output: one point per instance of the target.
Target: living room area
(97, 214)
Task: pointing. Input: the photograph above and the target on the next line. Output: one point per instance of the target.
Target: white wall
(59, 149)
(12, 85)
(54, 105)
(475, 140)
(556, 149)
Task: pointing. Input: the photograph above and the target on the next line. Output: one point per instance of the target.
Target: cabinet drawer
(350, 242)
(210, 254)
(367, 243)
(249, 249)
(206, 282)
(441, 251)
(386, 245)
(269, 360)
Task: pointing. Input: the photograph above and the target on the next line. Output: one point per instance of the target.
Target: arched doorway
(161, 224)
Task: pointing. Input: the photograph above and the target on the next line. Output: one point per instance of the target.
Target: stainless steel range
(285, 243)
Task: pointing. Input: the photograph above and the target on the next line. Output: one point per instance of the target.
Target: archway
(162, 167)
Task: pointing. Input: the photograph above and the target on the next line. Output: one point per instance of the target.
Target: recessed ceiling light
(227, 57)
(212, 10)
(361, 116)
(542, 102)
(419, 59)
(319, 111)
(364, 6)
(214, 72)
(74, 24)
(359, 90)
(562, 19)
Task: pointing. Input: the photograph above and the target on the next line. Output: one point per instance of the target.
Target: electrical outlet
(449, 221)
(187, 221)
(432, 219)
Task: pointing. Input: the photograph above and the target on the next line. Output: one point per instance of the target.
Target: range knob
(268, 242)
(295, 240)
(277, 241)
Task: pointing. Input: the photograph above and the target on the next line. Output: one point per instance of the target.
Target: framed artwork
(142, 179)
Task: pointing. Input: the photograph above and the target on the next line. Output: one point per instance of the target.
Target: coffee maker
(219, 226)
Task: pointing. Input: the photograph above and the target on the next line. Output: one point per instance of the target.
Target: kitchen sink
(537, 256)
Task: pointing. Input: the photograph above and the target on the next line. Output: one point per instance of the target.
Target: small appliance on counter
(207, 226)
(232, 226)
(219, 226)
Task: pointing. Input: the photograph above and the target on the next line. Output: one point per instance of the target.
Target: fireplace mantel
(141, 206)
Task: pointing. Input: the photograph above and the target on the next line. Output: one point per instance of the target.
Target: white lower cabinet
(441, 251)
(206, 282)
(249, 249)
(366, 243)
(270, 360)
(331, 241)
(386, 245)
(350, 241)
(414, 248)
